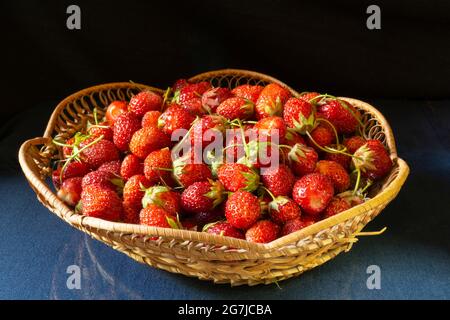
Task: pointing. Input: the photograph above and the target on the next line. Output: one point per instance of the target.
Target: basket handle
(44, 194)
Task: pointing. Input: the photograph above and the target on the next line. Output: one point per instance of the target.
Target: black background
(311, 45)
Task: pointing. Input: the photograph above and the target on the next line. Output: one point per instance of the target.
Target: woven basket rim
(30, 170)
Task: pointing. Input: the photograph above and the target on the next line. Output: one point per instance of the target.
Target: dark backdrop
(320, 45)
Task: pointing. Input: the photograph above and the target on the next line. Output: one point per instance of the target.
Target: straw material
(203, 255)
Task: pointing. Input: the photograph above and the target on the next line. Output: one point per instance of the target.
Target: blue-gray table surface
(37, 247)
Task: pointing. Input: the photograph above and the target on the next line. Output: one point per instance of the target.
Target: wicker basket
(203, 255)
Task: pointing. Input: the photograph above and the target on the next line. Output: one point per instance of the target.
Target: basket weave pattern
(203, 255)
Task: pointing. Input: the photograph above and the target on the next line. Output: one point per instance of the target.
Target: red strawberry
(303, 159)
(242, 209)
(145, 101)
(234, 143)
(296, 224)
(125, 125)
(336, 206)
(130, 214)
(96, 153)
(373, 160)
(112, 167)
(70, 191)
(292, 138)
(180, 83)
(212, 98)
(189, 224)
(354, 143)
(279, 180)
(163, 197)
(263, 231)
(308, 96)
(67, 150)
(102, 129)
(187, 174)
(313, 192)
(150, 119)
(236, 108)
(343, 159)
(299, 115)
(271, 126)
(155, 216)
(148, 139)
(194, 107)
(207, 217)
(336, 173)
(132, 197)
(131, 165)
(248, 92)
(283, 209)
(236, 176)
(192, 91)
(72, 169)
(224, 229)
(200, 127)
(114, 109)
(175, 117)
(100, 202)
(271, 100)
(323, 135)
(341, 114)
(202, 196)
(154, 166)
(103, 179)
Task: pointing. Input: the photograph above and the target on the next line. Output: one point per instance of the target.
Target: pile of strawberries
(126, 167)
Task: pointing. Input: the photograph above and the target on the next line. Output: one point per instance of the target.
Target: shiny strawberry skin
(298, 115)
(195, 199)
(99, 153)
(236, 176)
(342, 119)
(70, 191)
(354, 143)
(236, 108)
(175, 117)
(192, 172)
(323, 135)
(340, 158)
(112, 167)
(193, 91)
(336, 206)
(271, 100)
(163, 197)
(308, 96)
(263, 231)
(125, 125)
(279, 180)
(225, 229)
(131, 165)
(296, 224)
(155, 216)
(270, 126)
(72, 169)
(102, 130)
(337, 174)
(158, 159)
(373, 160)
(132, 191)
(100, 202)
(148, 139)
(304, 161)
(143, 102)
(100, 178)
(313, 192)
(212, 98)
(179, 84)
(200, 127)
(285, 211)
(242, 209)
(150, 119)
(114, 109)
(248, 92)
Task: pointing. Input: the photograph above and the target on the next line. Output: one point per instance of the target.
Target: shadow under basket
(197, 254)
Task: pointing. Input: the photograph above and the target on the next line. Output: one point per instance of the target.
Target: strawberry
(373, 160)
(100, 202)
(242, 209)
(68, 148)
(271, 126)
(112, 167)
(248, 92)
(308, 96)
(150, 119)
(336, 206)
(336, 173)
(194, 107)
(206, 217)
(202, 196)
(114, 109)
(236, 108)
(283, 209)
(354, 143)
(102, 129)
(72, 169)
(236, 176)
(155, 216)
(212, 98)
(234, 143)
(70, 191)
(145, 101)
(163, 197)
(313, 192)
(296, 224)
(291, 138)
(278, 180)
(224, 229)
(302, 159)
(263, 231)
(157, 166)
(132, 197)
(180, 83)
(131, 165)
(341, 114)
(148, 139)
(95, 153)
(343, 159)
(187, 174)
(192, 91)
(299, 115)
(200, 128)
(323, 135)
(271, 100)
(189, 224)
(103, 179)
(125, 125)
(175, 117)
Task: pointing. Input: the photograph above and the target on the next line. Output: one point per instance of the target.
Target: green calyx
(216, 193)
(152, 195)
(248, 107)
(297, 152)
(251, 181)
(277, 202)
(274, 108)
(362, 159)
(174, 224)
(303, 124)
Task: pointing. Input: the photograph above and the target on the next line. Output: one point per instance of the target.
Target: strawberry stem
(332, 127)
(358, 179)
